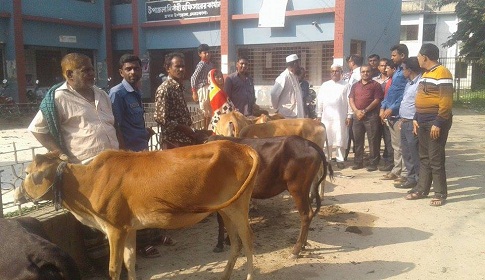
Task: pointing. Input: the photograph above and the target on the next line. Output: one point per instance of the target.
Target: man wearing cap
(286, 96)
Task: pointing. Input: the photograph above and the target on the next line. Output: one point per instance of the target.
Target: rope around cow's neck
(55, 185)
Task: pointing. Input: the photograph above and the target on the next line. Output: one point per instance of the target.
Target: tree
(470, 34)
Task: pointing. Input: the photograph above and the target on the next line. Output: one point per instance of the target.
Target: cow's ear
(40, 158)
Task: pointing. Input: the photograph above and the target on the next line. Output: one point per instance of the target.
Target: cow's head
(40, 175)
(230, 124)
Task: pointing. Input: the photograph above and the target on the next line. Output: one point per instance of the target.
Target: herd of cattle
(120, 192)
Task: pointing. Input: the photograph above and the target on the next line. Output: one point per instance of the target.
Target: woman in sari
(219, 101)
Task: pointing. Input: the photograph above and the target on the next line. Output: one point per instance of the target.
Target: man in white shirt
(286, 95)
(333, 110)
(354, 62)
(84, 114)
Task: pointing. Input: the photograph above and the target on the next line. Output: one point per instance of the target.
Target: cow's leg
(235, 244)
(116, 240)
(129, 254)
(239, 231)
(220, 236)
(302, 203)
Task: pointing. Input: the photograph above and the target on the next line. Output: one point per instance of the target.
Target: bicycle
(8, 107)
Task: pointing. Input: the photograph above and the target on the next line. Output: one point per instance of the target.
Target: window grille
(268, 61)
(409, 32)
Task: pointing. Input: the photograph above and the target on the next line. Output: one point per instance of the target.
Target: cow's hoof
(293, 257)
(218, 250)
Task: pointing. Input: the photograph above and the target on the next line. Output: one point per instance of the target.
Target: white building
(421, 22)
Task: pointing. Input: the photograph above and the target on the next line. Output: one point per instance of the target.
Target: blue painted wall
(67, 9)
(121, 14)
(297, 29)
(253, 6)
(379, 28)
(4, 26)
(185, 36)
(87, 38)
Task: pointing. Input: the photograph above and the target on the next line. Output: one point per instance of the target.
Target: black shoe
(357, 166)
(388, 167)
(340, 165)
(334, 159)
(407, 185)
(371, 168)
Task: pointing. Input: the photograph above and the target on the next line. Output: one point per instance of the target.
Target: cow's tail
(325, 165)
(326, 142)
(249, 182)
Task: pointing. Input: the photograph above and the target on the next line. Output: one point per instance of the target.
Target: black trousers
(370, 124)
(349, 143)
(388, 154)
(432, 160)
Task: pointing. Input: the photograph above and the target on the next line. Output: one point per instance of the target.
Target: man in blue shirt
(409, 140)
(128, 108)
(133, 135)
(389, 112)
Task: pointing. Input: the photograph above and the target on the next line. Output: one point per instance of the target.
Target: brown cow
(120, 192)
(307, 128)
(287, 163)
(230, 124)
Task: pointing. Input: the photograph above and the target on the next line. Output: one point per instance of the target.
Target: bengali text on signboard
(170, 10)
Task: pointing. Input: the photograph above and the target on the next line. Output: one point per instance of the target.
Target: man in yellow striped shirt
(432, 123)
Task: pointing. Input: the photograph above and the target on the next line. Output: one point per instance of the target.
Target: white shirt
(87, 128)
(286, 96)
(355, 77)
(333, 109)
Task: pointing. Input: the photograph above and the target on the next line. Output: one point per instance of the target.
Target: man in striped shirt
(199, 78)
(432, 123)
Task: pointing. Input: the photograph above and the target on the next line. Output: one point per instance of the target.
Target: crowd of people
(404, 101)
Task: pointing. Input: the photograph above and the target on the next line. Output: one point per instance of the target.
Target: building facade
(34, 35)
(422, 22)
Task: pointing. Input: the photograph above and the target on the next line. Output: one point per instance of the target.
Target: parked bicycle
(8, 107)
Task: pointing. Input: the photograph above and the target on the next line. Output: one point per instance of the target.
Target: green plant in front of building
(473, 100)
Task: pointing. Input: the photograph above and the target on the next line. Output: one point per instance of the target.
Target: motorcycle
(8, 107)
(35, 95)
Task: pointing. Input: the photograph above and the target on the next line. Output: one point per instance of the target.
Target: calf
(26, 253)
(120, 192)
(287, 163)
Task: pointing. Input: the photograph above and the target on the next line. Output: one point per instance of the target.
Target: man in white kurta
(286, 95)
(334, 112)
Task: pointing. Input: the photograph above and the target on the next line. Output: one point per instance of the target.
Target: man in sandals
(432, 123)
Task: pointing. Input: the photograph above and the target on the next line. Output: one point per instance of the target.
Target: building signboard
(170, 10)
(67, 39)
